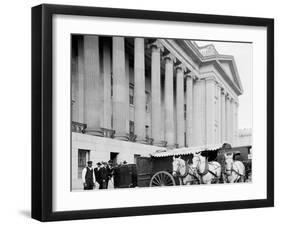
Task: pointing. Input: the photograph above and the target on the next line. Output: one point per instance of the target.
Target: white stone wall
(100, 148)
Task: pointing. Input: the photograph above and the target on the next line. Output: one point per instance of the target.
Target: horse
(182, 170)
(234, 170)
(209, 172)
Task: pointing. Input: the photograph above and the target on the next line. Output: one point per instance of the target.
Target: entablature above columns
(172, 47)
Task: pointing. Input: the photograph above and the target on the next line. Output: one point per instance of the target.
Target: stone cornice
(214, 59)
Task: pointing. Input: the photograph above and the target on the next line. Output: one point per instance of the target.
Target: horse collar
(206, 170)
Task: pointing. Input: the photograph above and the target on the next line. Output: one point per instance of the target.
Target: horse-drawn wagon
(189, 165)
(194, 165)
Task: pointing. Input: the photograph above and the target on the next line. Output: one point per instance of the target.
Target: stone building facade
(132, 96)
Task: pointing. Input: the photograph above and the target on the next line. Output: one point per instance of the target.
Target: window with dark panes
(131, 94)
(83, 157)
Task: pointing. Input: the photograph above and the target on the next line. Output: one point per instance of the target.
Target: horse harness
(207, 170)
(235, 171)
(187, 172)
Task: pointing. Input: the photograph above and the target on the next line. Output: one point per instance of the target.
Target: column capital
(156, 46)
(191, 75)
(169, 57)
(181, 67)
(223, 92)
(227, 95)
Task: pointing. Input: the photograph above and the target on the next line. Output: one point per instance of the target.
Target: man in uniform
(88, 176)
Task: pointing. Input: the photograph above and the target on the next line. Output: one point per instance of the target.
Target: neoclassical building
(132, 96)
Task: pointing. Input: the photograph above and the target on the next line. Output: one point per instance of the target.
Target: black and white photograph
(157, 112)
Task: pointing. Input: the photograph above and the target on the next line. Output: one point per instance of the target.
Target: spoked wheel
(162, 178)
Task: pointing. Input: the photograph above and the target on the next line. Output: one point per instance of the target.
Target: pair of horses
(200, 171)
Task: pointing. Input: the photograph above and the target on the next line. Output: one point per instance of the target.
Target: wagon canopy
(186, 150)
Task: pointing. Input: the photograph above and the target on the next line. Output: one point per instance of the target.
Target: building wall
(100, 148)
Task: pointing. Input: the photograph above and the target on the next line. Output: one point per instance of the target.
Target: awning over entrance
(186, 150)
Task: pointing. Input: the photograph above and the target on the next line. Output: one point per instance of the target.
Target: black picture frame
(42, 111)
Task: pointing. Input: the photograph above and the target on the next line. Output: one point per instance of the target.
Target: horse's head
(228, 163)
(178, 164)
(196, 160)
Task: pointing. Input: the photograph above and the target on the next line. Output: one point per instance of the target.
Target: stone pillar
(127, 90)
(107, 105)
(169, 100)
(223, 126)
(156, 92)
(180, 104)
(219, 138)
(139, 89)
(199, 113)
(236, 123)
(189, 109)
(92, 85)
(227, 118)
(119, 87)
(79, 97)
(210, 110)
(231, 116)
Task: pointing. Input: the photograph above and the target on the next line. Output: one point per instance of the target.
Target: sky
(243, 55)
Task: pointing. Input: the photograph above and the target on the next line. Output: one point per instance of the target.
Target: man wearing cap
(88, 176)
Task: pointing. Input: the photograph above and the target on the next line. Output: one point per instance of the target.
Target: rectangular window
(185, 112)
(111, 81)
(83, 157)
(146, 131)
(131, 94)
(147, 101)
(132, 127)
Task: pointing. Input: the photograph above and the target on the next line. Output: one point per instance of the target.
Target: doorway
(113, 157)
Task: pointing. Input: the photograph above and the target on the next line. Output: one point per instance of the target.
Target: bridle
(233, 170)
(187, 171)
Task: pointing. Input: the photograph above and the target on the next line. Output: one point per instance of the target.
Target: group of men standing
(99, 176)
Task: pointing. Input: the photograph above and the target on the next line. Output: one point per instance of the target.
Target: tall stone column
(180, 104)
(210, 110)
(119, 87)
(169, 100)
(189, 109)
(199, 113)
(80, 70)
(231, 116)
(236, 123)
(92, 85)
(227, 118)
(139, 89)
(223, 114)
(156, 92)
(219, 137)
(107, 105)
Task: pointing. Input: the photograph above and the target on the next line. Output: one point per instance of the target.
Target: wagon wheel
(162, 178)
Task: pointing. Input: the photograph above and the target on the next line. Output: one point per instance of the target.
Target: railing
(149, 140)
(78, 127)
(132, 137)
(163, 143)
(108, 132)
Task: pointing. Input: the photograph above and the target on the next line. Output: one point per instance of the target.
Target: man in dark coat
(98, 174)
(88, 177)
(103, 176)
